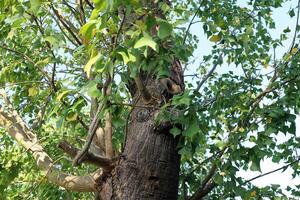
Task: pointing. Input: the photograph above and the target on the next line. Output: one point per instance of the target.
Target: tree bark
(149, 165)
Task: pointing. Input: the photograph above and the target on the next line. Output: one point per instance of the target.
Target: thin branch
(209, 73)
(66, 24)
(64, 33)
(296, 28)
(191, 23)
(82, 15)
(270, 172)
(92, 130)
(90, 4)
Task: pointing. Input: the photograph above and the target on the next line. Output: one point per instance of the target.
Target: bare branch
(97, 160)
(209, 73)
(191, 23)
(18, 130)
(70, 28)
(270, 172)
(92, 130)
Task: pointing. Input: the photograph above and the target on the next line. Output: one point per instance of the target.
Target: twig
(26, 58)
(90, 4)
(191, 23)
(64, 23)
(209, 73)
(296, 28)
(270, 172)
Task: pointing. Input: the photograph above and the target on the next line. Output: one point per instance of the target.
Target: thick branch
(142, 89)
(17, 129)
(207, 184)
(89, 158)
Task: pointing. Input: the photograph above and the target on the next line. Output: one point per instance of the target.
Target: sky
(282, 20)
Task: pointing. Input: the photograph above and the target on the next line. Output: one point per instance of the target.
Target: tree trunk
(149, 165)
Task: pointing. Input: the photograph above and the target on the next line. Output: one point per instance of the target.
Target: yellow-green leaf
(32, 91)
(87, 29)
(88, 66)
(61, 95)
(127, 58)
(294, 50)
(72, 117)
(146, 41)
(215, 38)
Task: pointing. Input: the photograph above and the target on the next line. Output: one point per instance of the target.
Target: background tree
(103, 82)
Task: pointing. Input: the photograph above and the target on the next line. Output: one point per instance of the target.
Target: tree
(103, 82)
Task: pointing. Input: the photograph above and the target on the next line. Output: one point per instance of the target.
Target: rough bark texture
(149, 165)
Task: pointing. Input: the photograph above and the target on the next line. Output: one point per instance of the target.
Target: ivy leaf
(146, 41)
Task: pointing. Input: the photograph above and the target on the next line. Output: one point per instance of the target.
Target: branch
(92, 130)
(91, 158)
(191, 23)
(90, 4)
(72, 30)
(18, 130)
(142, 89)
(26, 58)
(207, 184)
(209, 73)
(82, 15)
(296, 28)
(270, 172)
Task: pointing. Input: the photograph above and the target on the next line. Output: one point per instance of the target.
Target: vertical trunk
(149, 165)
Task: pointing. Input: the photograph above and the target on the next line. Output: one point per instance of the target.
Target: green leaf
(175, 131)
(100, 4)
(61, 95)
(255, 165)
(35, 5)
(52, 40)
(88, 29)
(165, 29)
(43, 62)
(88, 66)
(127, 57)
(146, 41)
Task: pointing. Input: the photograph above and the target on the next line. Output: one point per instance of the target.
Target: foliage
(232, 119)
